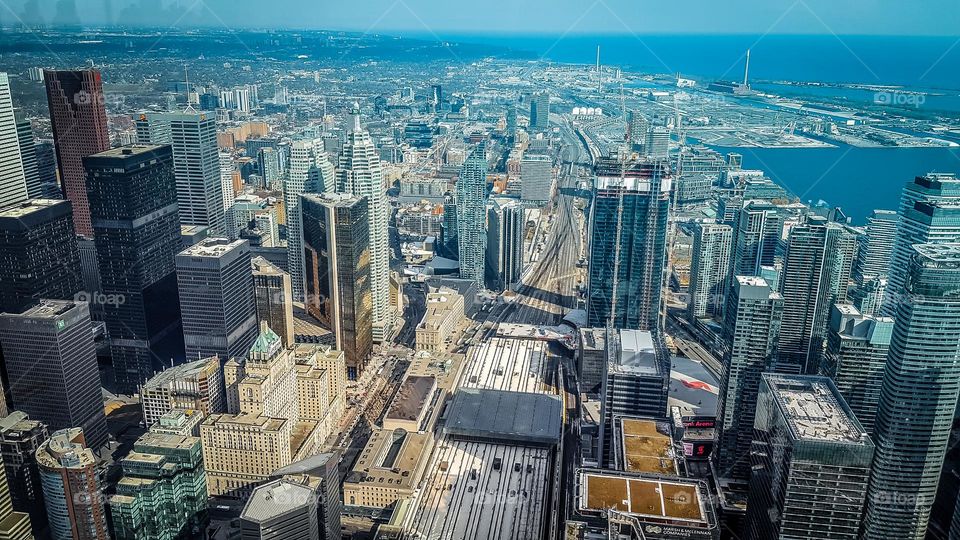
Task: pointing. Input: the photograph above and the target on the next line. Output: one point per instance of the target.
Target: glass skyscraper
(810, 461)
(78, 120)
(628, 230)
(918, 398)
(196, 164)
(472, 215)
(816, 275)
(133, 205)
(336, 245)
(929, 214)
(751, 332)
(709, 269)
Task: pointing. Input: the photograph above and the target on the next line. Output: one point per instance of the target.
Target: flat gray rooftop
(503, 416)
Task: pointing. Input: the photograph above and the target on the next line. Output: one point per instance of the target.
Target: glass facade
(918, 398)
(628, 246)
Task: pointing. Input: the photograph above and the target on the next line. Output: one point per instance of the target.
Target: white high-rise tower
(310, 172)
(13, 180)
(196, 163)
(360, 173)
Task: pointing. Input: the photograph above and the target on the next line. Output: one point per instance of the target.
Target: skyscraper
(20, 438)
(540, 111)
(274, 295)
(226, 181)
(816, 275)
(751, 332)
(857, 347)
(359, 173)
(918, 397)
(657, 144)
(628, 231)
(758, 237)
(13, 170)
(79, 123)
(322, 473)
(51, 361)
(337, 255)
(929, 214)
(36, 187)
(536, 178)
(634, 382)
(471, 215)
(196, 385)
(39, 257)
(13, 525)
(71, 487)
(810, 462)
(511, 120)
(217, 302)
(637, 125)
(709, 269)
(196, 164)
(310, 172)
(505, 235)
(876, 246)
(133, 204)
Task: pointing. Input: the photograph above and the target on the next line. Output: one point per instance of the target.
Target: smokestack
(746, 69)
(599, 75)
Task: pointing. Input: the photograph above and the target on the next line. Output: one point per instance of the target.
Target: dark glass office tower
(810, 462)
(133, 205)
(336, 249)
(628, 231)
(39, 257)
(217, 303)
(52, 362)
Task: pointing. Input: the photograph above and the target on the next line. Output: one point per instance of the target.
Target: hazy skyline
(878, 17)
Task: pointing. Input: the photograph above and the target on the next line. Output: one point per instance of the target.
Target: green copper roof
(265, 341)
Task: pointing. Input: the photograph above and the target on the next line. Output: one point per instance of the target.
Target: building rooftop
(264, 267)
(518, 365)
(638, 353)
(412, 398)
(679, 502)
(30, 207)
(814, 410)
(66, 449)
(18, 421)
(129, 150)
(478, 490)
(333, 199)
(755, 287)
(190, 370)
(276, 498)
(647, 446)
(939, 253)
(212, 247)
(47, 309)
(504, 416)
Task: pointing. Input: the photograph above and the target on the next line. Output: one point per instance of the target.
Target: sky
(553, 17)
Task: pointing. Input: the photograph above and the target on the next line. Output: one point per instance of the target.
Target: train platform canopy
(520, 418)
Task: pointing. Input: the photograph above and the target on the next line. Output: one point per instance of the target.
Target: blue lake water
(856, 179)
